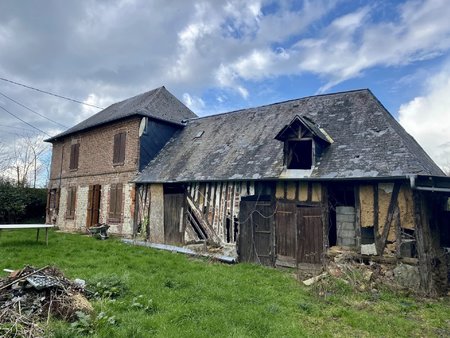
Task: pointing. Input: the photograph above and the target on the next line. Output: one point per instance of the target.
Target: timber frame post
(423, 244)
(392, 214)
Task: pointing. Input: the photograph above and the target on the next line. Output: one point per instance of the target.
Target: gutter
(413, 185)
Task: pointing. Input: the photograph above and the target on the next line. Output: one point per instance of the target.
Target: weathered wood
(391, 214)
(398, 235)
(325, 218)
(375, 214)
(286, 229)
(256, 240)
(212, 235)
(357, 218)
(310, 231)
(425, 268)
(173, 204)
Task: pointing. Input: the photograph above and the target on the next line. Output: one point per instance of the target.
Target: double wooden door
(281, 232)
(299, 233)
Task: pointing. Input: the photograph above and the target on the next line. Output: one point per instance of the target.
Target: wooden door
(174, 206)
(286, 234)
(256, 240)
(93, 209)
(309, 235)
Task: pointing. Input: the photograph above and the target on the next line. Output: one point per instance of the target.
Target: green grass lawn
(186, 297)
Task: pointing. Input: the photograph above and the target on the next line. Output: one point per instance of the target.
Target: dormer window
(299, 154)
(302, 140)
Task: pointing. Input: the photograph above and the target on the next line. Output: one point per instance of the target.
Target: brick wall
(95, 166)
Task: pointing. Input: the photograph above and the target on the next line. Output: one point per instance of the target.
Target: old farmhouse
(280, 185)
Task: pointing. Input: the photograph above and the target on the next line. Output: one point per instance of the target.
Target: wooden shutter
(115, 202)
(89, 206)
(123, 139)
(119, 148)
(74, 155)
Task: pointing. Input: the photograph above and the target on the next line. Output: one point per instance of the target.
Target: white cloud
(194, 103)
(427, 117)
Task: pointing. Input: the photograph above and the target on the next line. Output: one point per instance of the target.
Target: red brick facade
(95, 167)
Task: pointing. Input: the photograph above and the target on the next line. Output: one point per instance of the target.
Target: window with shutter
(115, 202)
(74, 155)
(71, 202)
(119, 148)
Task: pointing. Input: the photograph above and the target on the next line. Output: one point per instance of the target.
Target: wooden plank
(310, 235)
(286, 230)
(212, 235)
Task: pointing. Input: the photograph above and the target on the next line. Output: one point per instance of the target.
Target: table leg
(37, 235)
(46, 236)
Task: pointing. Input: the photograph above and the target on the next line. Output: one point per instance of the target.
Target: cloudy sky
(218, 56)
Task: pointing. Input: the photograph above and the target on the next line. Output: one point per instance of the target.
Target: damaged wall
(375, 200)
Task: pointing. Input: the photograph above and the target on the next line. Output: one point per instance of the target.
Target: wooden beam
(357, 218)
(203, 222)
(391, 214)
(425, 268)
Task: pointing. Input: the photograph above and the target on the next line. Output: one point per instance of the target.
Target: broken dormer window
(299, 154)
(303, 141)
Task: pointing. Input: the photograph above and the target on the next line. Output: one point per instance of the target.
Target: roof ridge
(280, 102)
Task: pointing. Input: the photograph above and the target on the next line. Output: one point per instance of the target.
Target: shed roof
(158, 103)
(241, 145)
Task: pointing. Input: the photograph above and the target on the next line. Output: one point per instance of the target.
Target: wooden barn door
(310, 235)
(174, 206)
(286, 234)
(93, 208)
(256, 240)
(299, 234)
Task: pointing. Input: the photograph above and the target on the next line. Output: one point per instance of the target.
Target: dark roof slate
(241, 145)
(158, 103)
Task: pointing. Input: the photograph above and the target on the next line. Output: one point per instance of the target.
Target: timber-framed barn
(279, 185)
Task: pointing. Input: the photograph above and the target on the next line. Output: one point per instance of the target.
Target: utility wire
(31, 110)
(49, 93)
(6, 110)
(7, 126)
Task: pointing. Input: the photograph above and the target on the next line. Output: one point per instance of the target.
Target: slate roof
(158, 103)
(241, 145)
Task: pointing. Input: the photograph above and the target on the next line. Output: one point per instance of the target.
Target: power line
(7, 126)
(49, 93)
(31, 110)
(6, 110)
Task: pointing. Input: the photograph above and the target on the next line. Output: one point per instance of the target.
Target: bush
(21, 205)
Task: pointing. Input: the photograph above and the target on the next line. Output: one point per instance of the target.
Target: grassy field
(171, 295)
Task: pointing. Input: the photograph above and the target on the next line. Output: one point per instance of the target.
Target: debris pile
(30, 296)
(366, 275)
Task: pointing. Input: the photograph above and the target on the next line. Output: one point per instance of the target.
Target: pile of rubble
(369, 275)
(31, 296)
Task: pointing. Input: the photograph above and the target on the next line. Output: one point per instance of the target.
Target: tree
(24, 160)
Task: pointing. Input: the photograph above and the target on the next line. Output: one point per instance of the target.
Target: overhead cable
(49, 93)
(6, 110)
(31, 110)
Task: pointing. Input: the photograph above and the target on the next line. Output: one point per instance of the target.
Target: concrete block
(345, 218)
(345, 210)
